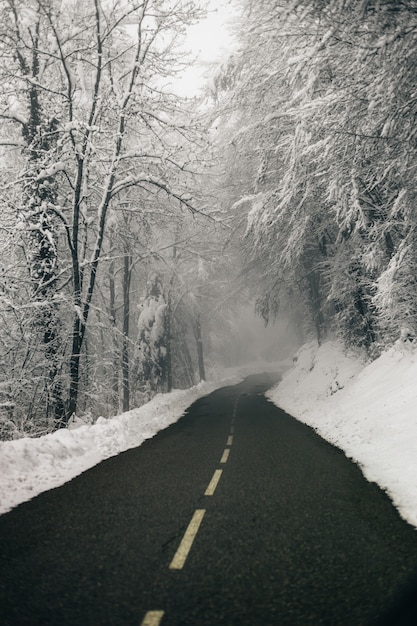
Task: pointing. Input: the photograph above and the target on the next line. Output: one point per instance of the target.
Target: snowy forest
(137, 224)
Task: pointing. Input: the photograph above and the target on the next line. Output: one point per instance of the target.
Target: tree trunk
(52, 345)
(77, 339)
(116, 354)
(127, 273)
(169, 346)
(40, 194)
(200, 355)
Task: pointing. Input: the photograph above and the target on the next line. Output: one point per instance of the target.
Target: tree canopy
(137, 226)
(321, 101)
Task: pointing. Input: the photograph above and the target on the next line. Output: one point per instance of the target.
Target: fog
(245, 338)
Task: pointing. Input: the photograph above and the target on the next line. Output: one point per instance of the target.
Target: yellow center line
(229, 440)
(152, 618)
(225, 456)
(187, 541)
(213, 483)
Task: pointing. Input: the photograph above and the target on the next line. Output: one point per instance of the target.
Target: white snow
(369, 410)
(59, 166)
(30, 466)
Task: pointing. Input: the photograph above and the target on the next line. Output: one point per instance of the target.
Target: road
(236, 515)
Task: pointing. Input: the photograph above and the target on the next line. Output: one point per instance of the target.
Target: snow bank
(31, 466)
(367, 410)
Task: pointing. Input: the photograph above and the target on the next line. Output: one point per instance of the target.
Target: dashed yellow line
(152, 618)
(213, 483)
(187, 541)
(225, 456)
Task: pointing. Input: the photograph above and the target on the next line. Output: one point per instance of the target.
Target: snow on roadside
(367, 410)
(30, 466)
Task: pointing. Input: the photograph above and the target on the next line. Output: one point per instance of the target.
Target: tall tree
(96, 120)
(326, 111)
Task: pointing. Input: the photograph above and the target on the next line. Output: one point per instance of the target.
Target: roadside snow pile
(321, 372)
(369, 411)
(30, 466)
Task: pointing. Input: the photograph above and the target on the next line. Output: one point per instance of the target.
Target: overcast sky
(209, 41)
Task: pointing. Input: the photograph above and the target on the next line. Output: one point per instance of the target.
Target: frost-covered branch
(15, 117)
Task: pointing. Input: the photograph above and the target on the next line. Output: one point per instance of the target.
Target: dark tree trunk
(52, 345)
(200, 354)
(39, 196)
(77, 340)
(116, 354)
(127, 273)
(168, 346)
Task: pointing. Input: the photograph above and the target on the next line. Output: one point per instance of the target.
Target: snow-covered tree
(326, 110)
(84, 98)
(152, 340)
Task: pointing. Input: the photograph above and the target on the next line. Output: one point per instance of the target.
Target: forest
(136, 223)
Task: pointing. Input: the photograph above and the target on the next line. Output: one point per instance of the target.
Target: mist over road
(236, 515)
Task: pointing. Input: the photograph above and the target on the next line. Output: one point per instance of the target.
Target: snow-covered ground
(367, 410)
(30, 466)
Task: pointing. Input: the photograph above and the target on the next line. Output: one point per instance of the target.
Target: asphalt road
(236, 515)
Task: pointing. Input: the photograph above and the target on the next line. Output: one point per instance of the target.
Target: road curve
(236, 515)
